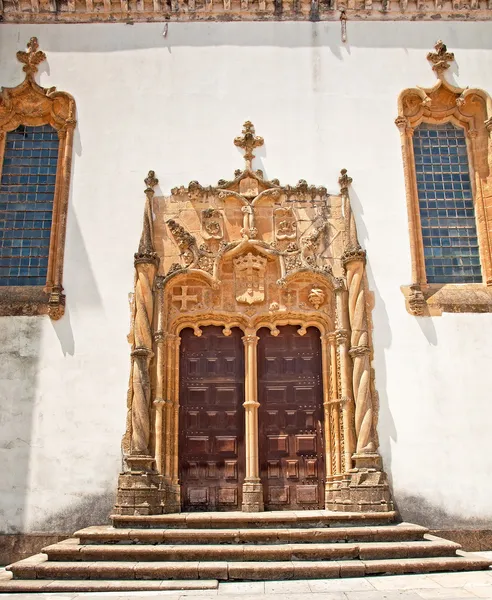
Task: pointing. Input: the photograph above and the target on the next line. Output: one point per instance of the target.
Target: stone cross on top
(32, 57)
(248, 141)
(440, 58)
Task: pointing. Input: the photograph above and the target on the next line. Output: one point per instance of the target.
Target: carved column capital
(341, 336)
(353, 254)
(359, 351)
(339, 285)
(402, 123)
(250, 339)
(141, 352)
(159, 336)
(488, 124)
(146, 258)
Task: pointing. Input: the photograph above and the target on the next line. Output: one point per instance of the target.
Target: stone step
(382, 533)
(49, 586)
(241, 552)
(227, 520)
(38, 567)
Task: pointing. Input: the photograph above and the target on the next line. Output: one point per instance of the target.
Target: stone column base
(140, 493)
(363, 490)
(252, 496)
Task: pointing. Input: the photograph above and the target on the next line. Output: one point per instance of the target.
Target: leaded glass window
(27, 189)
(447, 215)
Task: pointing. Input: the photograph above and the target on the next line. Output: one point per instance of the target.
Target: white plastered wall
(174, 104)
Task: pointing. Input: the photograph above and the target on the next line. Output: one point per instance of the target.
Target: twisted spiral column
(354, 261)
(141, 355)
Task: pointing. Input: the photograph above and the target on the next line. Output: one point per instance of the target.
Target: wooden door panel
(291, 419)
(211, 442)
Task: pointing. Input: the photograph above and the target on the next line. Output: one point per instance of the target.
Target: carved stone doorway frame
(251, 253)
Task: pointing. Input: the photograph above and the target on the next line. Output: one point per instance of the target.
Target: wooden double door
(212, 420)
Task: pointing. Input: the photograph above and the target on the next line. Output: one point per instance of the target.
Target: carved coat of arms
(249, 271)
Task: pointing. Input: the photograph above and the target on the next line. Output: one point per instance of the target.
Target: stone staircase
(143, 552)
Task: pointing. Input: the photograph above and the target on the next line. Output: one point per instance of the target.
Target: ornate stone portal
(249, 254)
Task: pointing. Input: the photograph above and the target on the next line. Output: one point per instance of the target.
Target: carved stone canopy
(249, 243)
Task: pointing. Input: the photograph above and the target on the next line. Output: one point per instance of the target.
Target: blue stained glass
(26, 203)
(446, 209)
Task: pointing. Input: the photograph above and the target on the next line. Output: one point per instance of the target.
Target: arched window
(36, 133)
(445, 144)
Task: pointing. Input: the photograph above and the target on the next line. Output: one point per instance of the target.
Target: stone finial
(150, 181)
(32, 58)
(248, 141)
(440, 58)
(146, 252)
(344, 181)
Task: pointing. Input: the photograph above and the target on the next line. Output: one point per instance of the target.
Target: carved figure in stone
(310, 247)
(249, 231)
(249, 271)
(212, 224)
(316, 297)
(285, 224)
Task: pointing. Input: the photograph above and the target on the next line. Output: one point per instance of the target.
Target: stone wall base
(17, 546)
(359, 491)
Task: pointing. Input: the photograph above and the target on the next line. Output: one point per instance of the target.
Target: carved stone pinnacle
(150, 181)
(248, 141)
(440, 58)
(344, 181)
(32, 58)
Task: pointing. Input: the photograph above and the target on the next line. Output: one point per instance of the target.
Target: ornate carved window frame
(32, 105)
(471, 110)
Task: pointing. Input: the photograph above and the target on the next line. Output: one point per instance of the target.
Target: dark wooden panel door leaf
(291, 419)
(211, 440)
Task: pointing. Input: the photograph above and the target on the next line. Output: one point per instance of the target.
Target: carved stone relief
(212, 224)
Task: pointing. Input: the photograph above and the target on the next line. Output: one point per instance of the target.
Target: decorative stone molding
(470, 109)
(86, 11)
(32, 105)
(252, 278)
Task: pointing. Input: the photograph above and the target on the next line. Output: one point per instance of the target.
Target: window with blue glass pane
(446, 207)
(27, 189)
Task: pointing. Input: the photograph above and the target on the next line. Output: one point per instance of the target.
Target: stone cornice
(83, 11)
